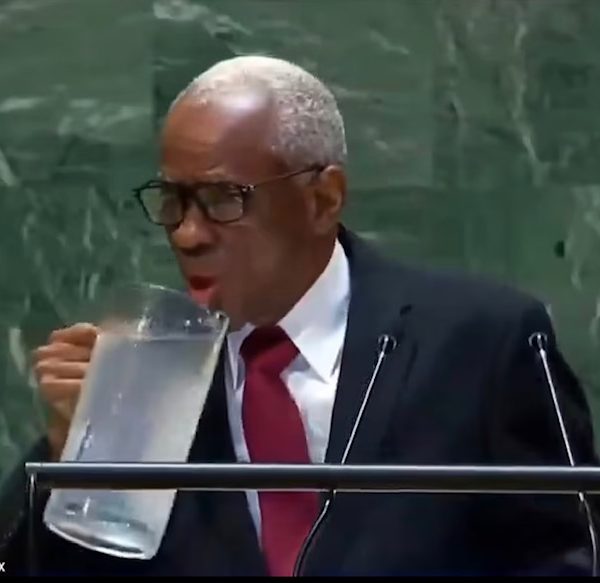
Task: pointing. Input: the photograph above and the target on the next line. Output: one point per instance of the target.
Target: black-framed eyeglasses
(165, 203)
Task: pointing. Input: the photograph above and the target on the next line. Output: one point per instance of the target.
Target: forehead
(230, 135)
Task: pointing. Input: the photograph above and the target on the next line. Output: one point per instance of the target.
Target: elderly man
(251, 189)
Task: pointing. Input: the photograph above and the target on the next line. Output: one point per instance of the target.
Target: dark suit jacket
(461, 387)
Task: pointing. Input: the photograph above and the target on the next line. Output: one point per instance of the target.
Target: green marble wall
(473, 127)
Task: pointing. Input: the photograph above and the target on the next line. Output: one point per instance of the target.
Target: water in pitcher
(115, 423)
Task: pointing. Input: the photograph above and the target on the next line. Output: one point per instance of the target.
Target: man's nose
(194, 231)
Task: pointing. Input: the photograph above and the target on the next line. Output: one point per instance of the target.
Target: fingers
(63, 352)
(59, 389)
(62, 369)
(67, 349)
(81, 334)
(61, 365)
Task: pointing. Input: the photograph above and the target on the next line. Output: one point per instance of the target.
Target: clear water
(141, 403)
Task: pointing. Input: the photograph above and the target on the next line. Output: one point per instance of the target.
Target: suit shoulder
(442, 292)
(460, 291)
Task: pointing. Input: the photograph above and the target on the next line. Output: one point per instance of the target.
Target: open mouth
(199, 282)
(201, 288)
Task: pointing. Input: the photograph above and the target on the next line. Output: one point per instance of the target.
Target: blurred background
(473, 129)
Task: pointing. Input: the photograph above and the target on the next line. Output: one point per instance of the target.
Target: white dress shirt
(317, 326)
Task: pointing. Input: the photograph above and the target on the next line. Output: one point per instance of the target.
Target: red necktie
(274, 434)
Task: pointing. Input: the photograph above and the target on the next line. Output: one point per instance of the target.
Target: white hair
(310, 128)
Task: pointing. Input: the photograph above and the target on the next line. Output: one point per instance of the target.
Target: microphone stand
(386, 344)
(539, 342)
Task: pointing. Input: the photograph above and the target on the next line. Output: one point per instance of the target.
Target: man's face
(246, 267)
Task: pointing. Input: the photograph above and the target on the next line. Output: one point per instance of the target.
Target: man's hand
(60, 367)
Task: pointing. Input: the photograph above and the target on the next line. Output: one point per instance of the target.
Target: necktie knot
(268, 349)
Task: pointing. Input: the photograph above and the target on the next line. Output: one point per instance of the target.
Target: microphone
(539, 342)
(386, 343)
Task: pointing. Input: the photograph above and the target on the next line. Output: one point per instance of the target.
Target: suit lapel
(378, 306)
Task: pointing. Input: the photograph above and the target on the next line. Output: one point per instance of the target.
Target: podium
(331, 478)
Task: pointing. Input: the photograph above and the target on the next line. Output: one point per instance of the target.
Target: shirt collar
(316, 324)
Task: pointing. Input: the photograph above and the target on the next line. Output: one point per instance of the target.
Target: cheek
(252, 255)
(255, 261)
(262, 247)
(293, 218)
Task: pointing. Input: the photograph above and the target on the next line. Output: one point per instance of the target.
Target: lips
(200, 281)
(202, 288)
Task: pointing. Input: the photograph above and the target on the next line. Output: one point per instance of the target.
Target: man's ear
(329, 197)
